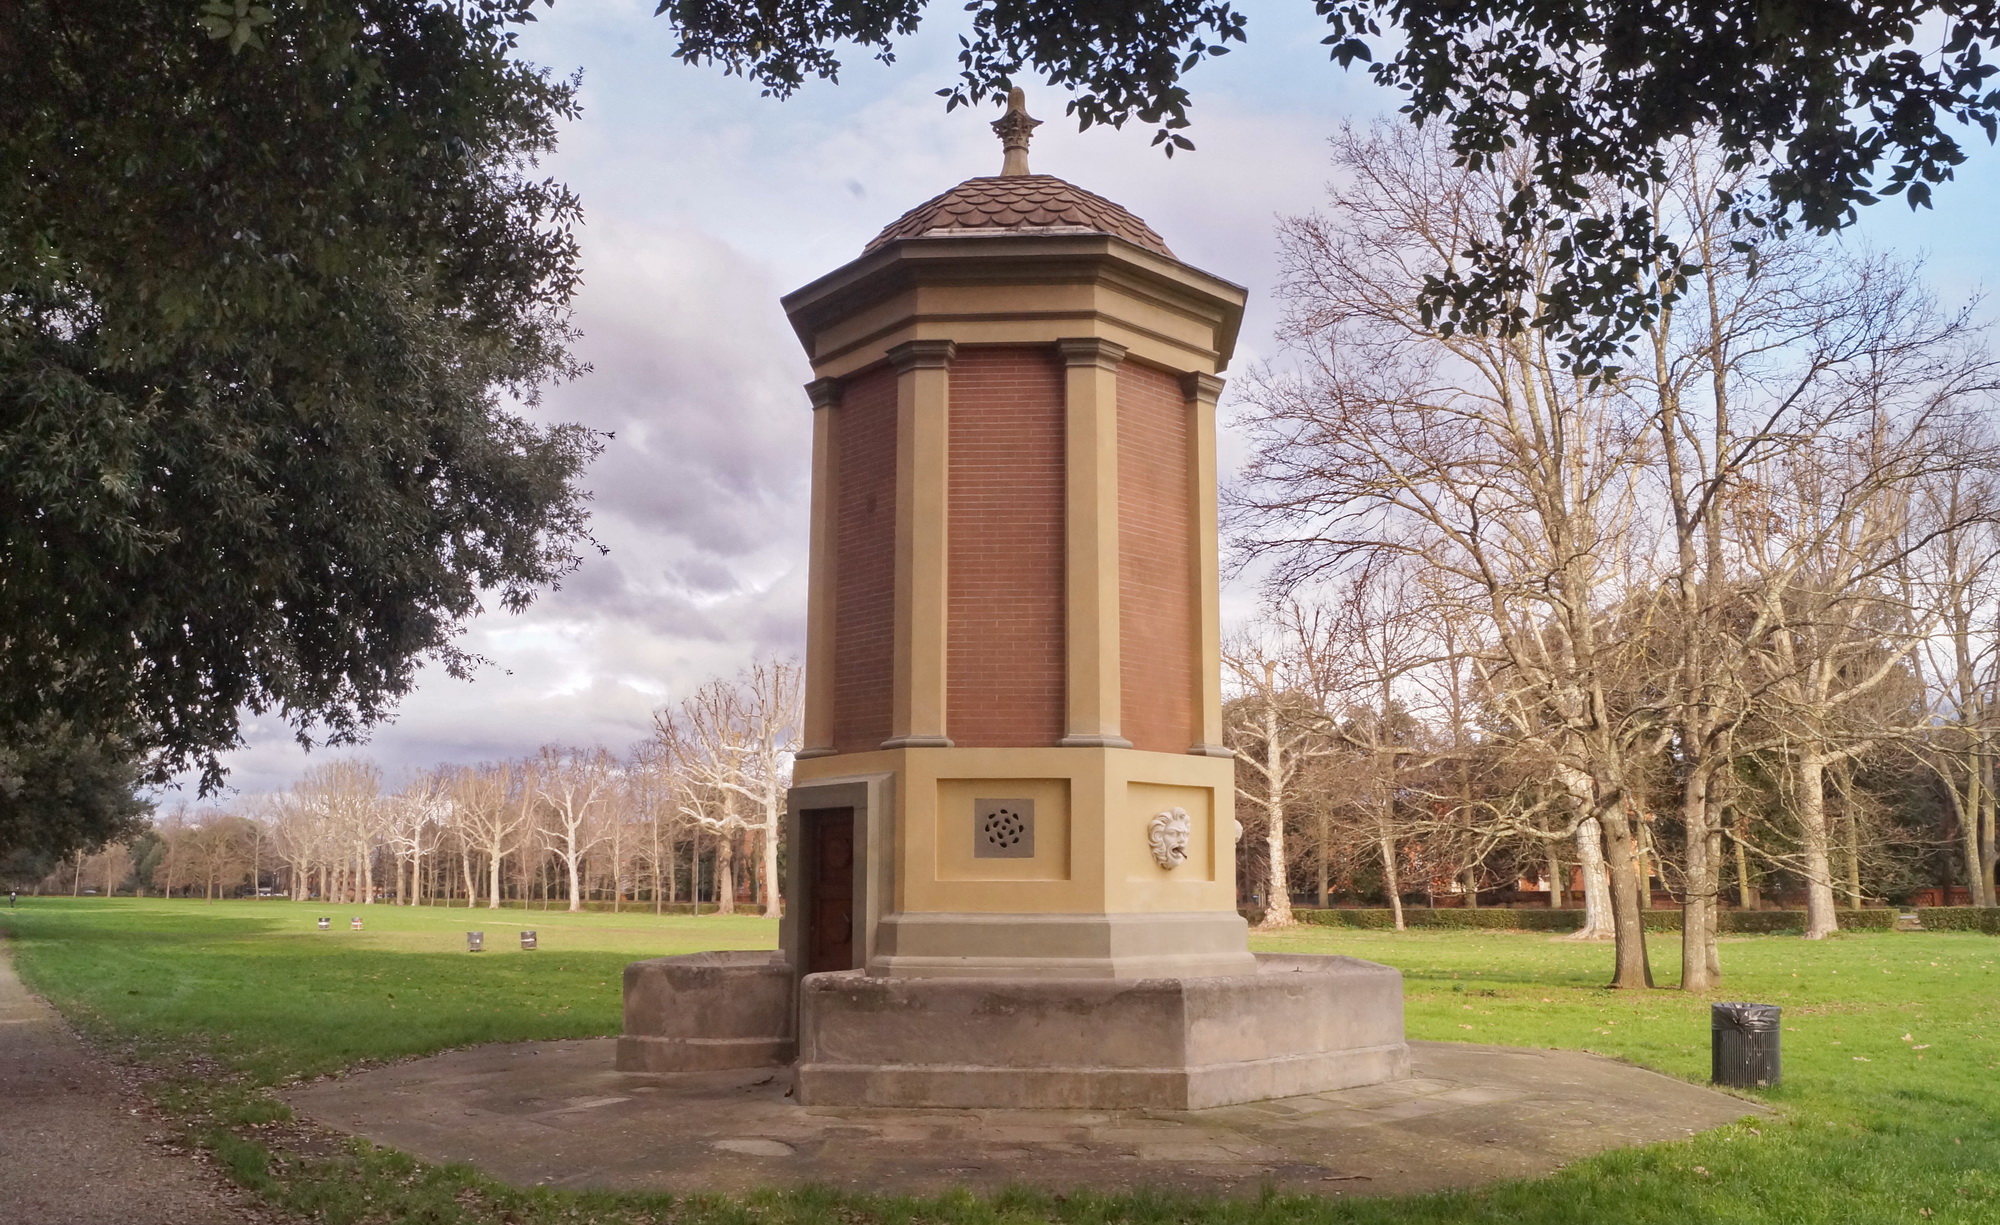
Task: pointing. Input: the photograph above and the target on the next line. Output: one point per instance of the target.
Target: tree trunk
(725, 873)
(1989, 836)
(1324, 837)
(1387, 844)
(493, 863)
(1278, 892)
(1643, 860)
(1278, 886)
(1975, 818)
(573, 862)
(1715, 902)
(768, 870)
(1851, 853)
(1821, 919)
(1597, 924)
(1698, 910)
(1626, 868)
(471, 880)
(1558, 887)
(1744, 894)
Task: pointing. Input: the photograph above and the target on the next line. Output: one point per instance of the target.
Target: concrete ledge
(707, 1011)
(1300, 1024)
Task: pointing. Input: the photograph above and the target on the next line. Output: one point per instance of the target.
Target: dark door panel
(830, 919)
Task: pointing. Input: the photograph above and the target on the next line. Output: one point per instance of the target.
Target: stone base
(1299, 1024)
(706, 1011)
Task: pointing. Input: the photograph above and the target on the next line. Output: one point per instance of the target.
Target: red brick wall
(864, 617)
(1156, 562)
(1005, 663)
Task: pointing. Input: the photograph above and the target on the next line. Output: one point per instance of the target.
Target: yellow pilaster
(923, 414)
(1202, 391)
(1091, 459)
(817, 734)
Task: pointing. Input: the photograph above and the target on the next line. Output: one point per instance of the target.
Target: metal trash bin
(325, 923)
(527, 940)
(1744, 1045)
(475, 942)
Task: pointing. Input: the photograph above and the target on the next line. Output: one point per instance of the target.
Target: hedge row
(1540, 920)
(1960, 919)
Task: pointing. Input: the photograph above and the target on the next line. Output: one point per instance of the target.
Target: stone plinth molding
(1299, 1024)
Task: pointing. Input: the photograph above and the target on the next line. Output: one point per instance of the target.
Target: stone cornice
(1091, 351)
(922, 355)
(824, 393)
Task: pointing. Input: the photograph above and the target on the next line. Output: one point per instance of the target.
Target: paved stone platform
(556, 1113)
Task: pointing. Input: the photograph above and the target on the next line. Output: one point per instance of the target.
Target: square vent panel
(1003, 829)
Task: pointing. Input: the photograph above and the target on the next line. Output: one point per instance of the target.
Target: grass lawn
(1890, 1106)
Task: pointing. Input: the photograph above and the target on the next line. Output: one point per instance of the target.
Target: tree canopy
(273, 281)
(1835, 105)
(62, 789)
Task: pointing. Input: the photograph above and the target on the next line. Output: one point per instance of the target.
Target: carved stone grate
(1003, 829)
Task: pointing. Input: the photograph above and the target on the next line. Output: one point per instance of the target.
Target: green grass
(261, 989)
(1873, 1126)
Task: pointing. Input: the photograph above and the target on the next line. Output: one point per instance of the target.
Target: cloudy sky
(704, 202)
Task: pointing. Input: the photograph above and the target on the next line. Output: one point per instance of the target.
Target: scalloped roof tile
(1018, 203)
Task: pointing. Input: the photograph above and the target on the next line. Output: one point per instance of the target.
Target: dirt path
(78, 1146)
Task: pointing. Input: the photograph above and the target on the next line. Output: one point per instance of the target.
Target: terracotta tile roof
(1021, 202)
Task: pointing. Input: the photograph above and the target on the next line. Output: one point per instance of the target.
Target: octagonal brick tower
(1011, 831)
(1012, 660)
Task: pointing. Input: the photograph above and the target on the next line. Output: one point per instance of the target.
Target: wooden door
(830, 920)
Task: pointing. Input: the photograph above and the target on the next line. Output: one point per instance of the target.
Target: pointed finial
(1014, 128)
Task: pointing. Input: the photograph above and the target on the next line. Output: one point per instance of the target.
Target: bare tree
(703, 738)
(1836, 525)
(767, 720)
(574, 785)
(345, 795)
(1511, 480)
(214, 849)
(1954, 574)
(1755, 370)
(1276, 726)
(413, 820)
(1377, 642)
